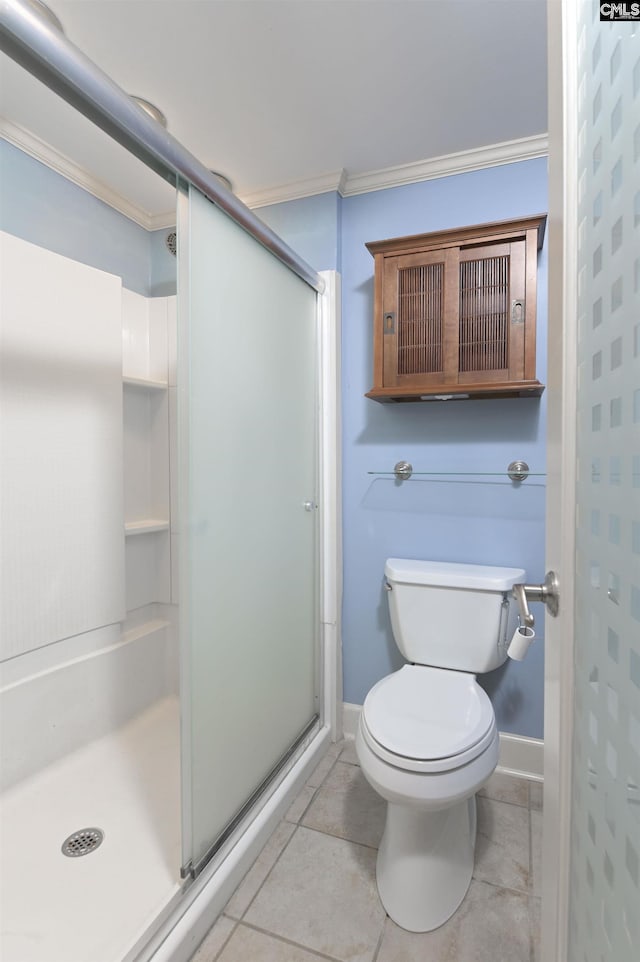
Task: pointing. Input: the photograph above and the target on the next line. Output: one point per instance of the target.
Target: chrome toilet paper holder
(547, 593)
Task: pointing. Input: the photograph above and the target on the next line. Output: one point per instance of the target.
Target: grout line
(268, 875)
(226, 941)
(503, 801)
(306, 808)
(341, 838)
(381, 937)
(530, 854)
(297, 945)
(529, 911)
(503, 888)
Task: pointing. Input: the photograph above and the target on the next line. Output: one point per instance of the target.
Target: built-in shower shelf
(144, 383)
(148, 526)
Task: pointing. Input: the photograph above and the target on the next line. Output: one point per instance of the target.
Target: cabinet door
(491, 313)
(419, 329)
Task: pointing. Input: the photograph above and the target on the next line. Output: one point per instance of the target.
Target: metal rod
(47, 54)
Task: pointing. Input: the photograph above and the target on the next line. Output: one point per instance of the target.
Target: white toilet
(427, 738)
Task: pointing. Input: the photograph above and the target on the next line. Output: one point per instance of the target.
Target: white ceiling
(275, 91)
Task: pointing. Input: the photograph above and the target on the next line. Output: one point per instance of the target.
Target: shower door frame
(328, 654)
(561, 480)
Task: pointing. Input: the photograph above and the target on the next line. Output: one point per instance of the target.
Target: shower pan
(187, 729)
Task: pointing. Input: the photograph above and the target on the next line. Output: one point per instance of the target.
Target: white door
(591, 870)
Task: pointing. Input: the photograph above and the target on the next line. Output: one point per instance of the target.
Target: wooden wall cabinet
(455, 313)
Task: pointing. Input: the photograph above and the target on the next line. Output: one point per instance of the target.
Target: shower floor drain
(83, 842)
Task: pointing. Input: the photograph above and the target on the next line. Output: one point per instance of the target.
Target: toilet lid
(427, 713)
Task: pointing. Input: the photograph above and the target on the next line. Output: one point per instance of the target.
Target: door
(249, 615)
(591, 851)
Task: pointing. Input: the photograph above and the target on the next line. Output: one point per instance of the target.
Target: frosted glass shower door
(248, 434)
(604, 891)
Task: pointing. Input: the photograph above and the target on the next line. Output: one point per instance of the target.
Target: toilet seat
(428, 719)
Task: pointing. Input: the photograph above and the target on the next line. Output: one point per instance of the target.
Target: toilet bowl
(427, 738)
(425, 859)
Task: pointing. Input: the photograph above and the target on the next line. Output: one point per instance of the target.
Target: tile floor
(311, 894)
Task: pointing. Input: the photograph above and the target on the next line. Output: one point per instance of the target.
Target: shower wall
(88, 635)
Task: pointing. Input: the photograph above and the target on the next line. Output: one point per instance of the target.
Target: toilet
(427, 738)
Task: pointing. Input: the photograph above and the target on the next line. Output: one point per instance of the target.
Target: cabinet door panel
(491, 342)
(419, 292)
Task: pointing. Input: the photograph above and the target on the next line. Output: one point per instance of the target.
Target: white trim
(330, 520)
(338, 181)
(350, 719)
(333, 182)
(494, 155)
(562, 373)
(520, 756)
(30, 144)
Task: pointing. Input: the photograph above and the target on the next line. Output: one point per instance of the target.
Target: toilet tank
(458, 616)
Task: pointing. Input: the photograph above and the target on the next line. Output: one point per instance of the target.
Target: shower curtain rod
(47, 54)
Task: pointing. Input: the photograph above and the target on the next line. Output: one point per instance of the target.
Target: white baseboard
(350, 719)
(519, 756)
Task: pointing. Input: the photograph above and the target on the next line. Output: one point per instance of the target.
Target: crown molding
(30, 144)
(338, 181)
(464, 161)
(333, 182)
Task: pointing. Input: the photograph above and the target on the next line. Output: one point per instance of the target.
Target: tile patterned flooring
(311, 893)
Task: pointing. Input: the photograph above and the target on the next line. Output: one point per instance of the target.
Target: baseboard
(520, 756)
(350, 719)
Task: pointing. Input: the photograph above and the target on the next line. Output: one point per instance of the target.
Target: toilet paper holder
(547, 593)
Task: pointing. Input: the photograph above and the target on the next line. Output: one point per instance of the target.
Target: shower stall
(170, 557)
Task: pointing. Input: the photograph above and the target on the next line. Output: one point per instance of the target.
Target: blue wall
(457, 519)
(44, 208)
(312, 226)
(163, 267)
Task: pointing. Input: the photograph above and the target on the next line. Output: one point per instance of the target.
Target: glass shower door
(604, 893)
(248, 440)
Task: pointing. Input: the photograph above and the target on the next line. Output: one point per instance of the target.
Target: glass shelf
(454, 474)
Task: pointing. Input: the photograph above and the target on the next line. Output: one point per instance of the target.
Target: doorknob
(547, 593)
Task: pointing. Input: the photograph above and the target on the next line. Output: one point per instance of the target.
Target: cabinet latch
(517, 311)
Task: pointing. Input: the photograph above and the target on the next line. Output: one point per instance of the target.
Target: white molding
(332, 182)
(350, 719)
(563, 33)
(338, 181)
(330, 520)
(464, 161)
(519, 756)
(67, 168)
